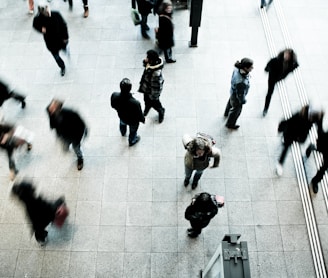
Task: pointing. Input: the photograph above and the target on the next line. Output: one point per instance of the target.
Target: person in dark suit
(165, 33)
(6, 93)
(322, 147)
(144, 8)
(41, 212)
(278, 68)
(128, 110)
(297, 128)
(69, 126)
(202, 209)
(85, 6)
(54, 29)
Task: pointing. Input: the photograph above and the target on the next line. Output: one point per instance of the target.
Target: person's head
(152, 57)
(125, 85)
(23, 190)
(287, 55)
(54, 106)
(245, 64)
(166, 7)
(203, 202)
(44, 9)
(198, 147)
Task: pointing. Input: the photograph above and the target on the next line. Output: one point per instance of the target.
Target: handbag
(135, 16)
(61, 215)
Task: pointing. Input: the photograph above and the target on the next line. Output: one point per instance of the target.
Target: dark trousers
(17, 97)
(197, 225)
(58, 60)
(233, 110)
(70, 3)
(168, 53)
(133, 131)
(143, 25)
(152, 103)
(271, 84)
(284, 152)
(321, 172)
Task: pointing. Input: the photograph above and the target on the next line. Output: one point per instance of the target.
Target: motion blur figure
(278, 68)
(322, 147)
(297, 129)
(85, 6)
(40, 211)
(54, 29)
(69, 126)
(6, 93)
(11, 138)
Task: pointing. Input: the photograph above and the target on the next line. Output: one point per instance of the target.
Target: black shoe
(80, 164)
(147, 28)
(171, 61)
(309, 150)
(186, 182)
(161, 115)
(192, 234)
(145, 36)
(62, 72)
(135, 141)
(315, 187)
(233, 126)
(23, 104)
(265, 111)
(194, 184)
(189, 230)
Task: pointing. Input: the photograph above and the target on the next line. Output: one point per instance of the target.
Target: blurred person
(128, 110)
(278, 68)
(297, 128)
(202, 209)
(165, 29)
(322, 147)
(40, 211)
(197, 158)
(11, 138)
(265, 3)
(6, 93)
(238, 91)
(69, 126)
(85, 6)
(31, 7)
(144, 8)
(54, 29)
(151, 83)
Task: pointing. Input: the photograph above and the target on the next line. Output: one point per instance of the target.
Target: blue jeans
(188, 173)
(133, 131)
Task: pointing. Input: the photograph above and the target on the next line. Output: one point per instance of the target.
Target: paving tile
(164, 265)
(137, 265)
(265, 212)
(272, 264)
(268, 238)
(82, 264)
(164, 239)
(109, 264)
(55, 264)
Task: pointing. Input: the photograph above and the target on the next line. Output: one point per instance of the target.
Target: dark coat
(298, 126)
(322, 144)
(128, 108)
(56, 30)
(68, 124)
(201, 216)
(165, 32)
(144, 6)
(275, 68)
(8, 146)
(41, 212)
(4, 93)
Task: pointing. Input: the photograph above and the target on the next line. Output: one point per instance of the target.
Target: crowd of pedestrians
(71, 128)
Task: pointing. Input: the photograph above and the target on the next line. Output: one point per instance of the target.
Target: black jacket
(4, 93)
(128, 108)
(276, 70)
(56, 30)
(165, 32)
(144, 6)
(68, 124)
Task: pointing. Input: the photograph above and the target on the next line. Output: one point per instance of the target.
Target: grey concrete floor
(127, 204)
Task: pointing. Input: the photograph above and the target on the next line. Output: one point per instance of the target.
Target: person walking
(197, 157)
(321, 147)
(297, 128)
(31, 7)
(238, 91)
(6, 93)
(54, 29)
(128, 110)
(11, 138)
(278, 68)
(151, 84)
(40, 211)
(165, 30)
(85, 6)
(202, 209)
(144, 8)
(69, 126)
(264, 3)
